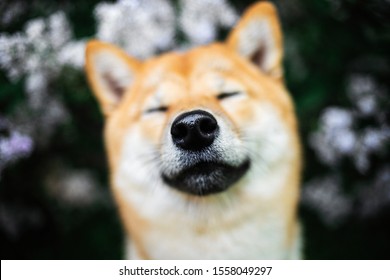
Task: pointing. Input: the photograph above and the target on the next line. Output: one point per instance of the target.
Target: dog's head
(200, 121)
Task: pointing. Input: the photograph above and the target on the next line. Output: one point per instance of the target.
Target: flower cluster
(142, 28)
(325, 195)
(38, 50)
(73, 187)
(13, 145)
(200, 20)
(145, 28)
(338, 137)
(358, 134)
(38, 54)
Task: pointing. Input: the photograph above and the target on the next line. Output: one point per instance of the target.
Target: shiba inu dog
(203, 148)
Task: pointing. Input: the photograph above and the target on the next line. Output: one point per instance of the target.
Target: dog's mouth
(206, 178)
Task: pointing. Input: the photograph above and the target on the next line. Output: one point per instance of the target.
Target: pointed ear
(258, 37)
(110, 72)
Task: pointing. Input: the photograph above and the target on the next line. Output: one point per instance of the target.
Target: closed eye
(160, 109)
(224, 95)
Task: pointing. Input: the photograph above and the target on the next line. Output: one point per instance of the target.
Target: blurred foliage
(332, 38)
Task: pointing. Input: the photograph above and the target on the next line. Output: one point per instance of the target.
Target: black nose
(194, 130)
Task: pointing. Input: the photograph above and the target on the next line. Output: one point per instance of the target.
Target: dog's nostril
(194, 130)
(207, 125)
(179, 131)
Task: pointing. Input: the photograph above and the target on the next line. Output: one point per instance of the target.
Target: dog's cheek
(242, 112)
(152, 128)
(114, 135)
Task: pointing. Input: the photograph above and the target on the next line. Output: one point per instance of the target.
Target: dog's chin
(206, 178)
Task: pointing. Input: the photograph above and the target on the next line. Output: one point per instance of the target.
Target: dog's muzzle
(193, 134)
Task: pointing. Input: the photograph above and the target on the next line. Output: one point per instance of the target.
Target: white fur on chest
(250, 240)
(223, 227)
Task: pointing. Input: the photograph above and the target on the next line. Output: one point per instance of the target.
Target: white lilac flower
(37, 48)
(13, 50)
(324, 195)
(59, 32)
(72, 187)
(36, 87)
(37, 54)
(375, 139)
(200, 20)
(142, 28)
(335, 137)
(13, 146)
(32, 53)
(336, 118)
(16, 146)
(72, 54)
(371, 141)
(364, 91)
(46, 38)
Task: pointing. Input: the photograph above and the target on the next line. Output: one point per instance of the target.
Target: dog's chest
(246, 240)
(176, 231)
(253, 227)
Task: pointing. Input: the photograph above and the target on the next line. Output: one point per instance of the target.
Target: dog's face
(197, 123)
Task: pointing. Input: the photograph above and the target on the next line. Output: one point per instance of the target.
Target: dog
(203, 146)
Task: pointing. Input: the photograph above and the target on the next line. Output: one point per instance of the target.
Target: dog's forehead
(188, 66)
(213, 58)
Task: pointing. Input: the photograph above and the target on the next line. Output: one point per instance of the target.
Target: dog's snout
(194, 130)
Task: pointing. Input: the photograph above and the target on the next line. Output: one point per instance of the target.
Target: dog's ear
(110, 72)
(258, 37)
